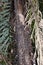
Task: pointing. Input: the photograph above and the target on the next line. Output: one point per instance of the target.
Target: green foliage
(2, 63)
(5, 37)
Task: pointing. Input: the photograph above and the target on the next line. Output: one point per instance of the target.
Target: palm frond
(4, 26)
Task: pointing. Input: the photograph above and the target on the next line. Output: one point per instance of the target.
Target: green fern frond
(5, 37)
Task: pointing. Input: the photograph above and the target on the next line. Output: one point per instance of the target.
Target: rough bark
(23, 36)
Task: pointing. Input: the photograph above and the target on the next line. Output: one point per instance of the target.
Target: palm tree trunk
(23, 36)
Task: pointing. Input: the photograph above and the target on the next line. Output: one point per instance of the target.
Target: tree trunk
(24, 47)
